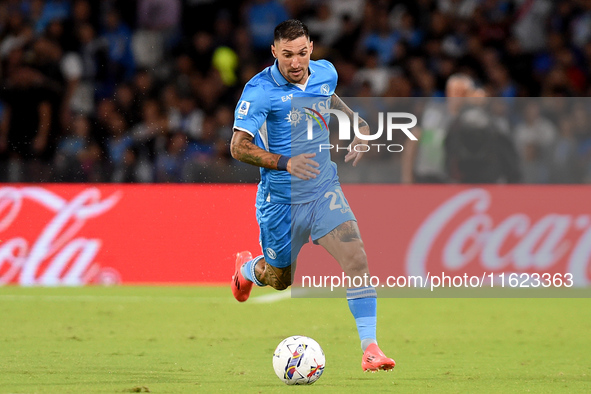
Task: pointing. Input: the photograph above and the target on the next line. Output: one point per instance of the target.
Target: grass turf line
(198, 339)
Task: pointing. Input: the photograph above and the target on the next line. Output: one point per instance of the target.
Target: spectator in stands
(501, 84)
(324, 27)
(128, 104)
(82, 13)
(71, 68)
(120, 155)
(376, 75)
(150, 137)
(121, 64)
(52, 10)
(345, 43)
(171, 162)
(159, 31)
(408, 31)
(581, 33)
(529, 26)
(262, 17)
(477, 150)
(566, 164)
(383, 40)
(161, 16)
(187, 118)
(77, 156)
(534, 138)
(201, 52)
(26, 125)
(16, 33)
(423, 160)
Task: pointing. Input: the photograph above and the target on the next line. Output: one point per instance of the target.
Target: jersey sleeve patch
(252, 108)
(244, 107)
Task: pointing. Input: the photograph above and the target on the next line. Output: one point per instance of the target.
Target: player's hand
(353, 154)
(303, 166)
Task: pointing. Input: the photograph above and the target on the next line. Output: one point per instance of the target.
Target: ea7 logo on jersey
(243, 109)
(288, 97)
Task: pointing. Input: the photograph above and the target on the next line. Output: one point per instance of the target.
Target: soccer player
(292, 199)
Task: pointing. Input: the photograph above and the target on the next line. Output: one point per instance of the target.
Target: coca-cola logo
(57, 255)
(515, 243)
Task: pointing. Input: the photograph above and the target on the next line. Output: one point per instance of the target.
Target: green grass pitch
(198, 339)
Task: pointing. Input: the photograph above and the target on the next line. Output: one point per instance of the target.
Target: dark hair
(290, 30)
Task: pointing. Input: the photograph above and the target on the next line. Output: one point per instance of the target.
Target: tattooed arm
(243, 149)
(337, 103)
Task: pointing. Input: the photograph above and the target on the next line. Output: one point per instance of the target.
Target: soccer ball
(298, 360)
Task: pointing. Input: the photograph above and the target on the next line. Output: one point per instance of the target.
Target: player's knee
(281, 285)
(277, 278)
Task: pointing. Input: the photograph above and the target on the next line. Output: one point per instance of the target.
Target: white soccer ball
(298, 360)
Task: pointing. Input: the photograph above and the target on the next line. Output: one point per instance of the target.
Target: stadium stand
(144, 90)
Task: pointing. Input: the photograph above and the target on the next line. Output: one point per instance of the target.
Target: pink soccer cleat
(374, 360)
(241, 286)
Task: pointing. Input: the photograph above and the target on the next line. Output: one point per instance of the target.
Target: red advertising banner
(428, 229)
(131, 234)
(84, 234)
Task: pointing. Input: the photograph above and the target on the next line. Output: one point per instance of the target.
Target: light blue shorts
(285, 228)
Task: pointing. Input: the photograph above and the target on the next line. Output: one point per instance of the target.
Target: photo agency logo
(402, 121)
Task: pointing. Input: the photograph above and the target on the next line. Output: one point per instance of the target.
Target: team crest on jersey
(324, 89)
(244, 106)
(294, 117)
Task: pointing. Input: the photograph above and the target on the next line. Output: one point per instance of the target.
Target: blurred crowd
(145, 90)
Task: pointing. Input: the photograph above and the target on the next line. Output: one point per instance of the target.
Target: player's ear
(311, 46)
(273, 51)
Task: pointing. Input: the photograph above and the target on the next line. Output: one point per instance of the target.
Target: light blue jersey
(277, 113)
(265, 111)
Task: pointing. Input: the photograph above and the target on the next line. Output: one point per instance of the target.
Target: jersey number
(333, 199)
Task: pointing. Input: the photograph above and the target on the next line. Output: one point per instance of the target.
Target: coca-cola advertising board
(103, 234)
(187, 234)
(430, 236)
